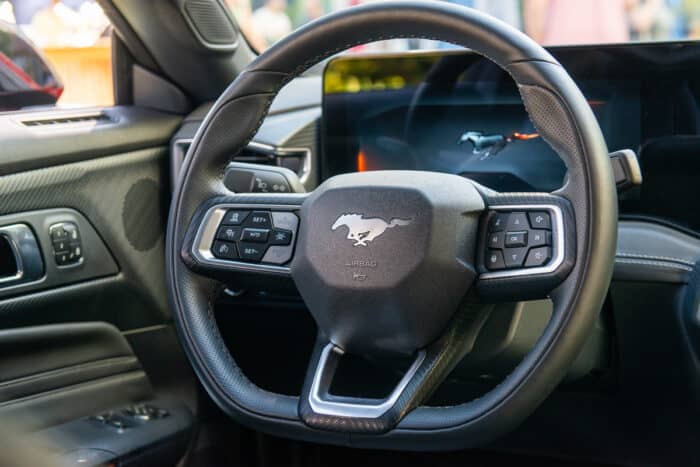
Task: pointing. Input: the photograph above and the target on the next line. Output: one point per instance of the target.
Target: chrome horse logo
(363, 230)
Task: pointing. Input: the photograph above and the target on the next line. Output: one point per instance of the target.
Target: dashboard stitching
(654, 257)
(658, 264)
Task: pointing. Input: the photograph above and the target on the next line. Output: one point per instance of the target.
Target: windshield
(549, 22)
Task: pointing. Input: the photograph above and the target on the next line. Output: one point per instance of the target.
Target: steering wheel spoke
(243, 234)
(527, 245)
(321, 409)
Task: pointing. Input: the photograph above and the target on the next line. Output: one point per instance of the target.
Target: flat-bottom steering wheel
(390, 262)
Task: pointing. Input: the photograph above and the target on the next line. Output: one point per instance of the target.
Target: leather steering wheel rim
(561, 115)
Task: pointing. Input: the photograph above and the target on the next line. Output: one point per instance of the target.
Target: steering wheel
(395, 262)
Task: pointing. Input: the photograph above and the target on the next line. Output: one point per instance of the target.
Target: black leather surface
(562, 116)
(648, 252)
(51, 374)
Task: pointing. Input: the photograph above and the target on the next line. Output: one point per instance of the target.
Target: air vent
(45, 122)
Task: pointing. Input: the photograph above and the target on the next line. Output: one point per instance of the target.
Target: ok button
(255, 235)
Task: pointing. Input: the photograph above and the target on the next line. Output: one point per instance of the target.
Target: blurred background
(73, 35)
(547, 21)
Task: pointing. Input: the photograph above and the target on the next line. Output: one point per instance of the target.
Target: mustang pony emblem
(363, 230)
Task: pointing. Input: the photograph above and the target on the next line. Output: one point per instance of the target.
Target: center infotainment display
(453, 112)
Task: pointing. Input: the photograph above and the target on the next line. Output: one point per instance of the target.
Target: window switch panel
(67, 246)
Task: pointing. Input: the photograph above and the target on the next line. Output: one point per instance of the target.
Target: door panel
(73, 342)
(53, 374)
(124, 198)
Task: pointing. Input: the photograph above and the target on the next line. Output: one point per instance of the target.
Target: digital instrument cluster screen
(453, 112)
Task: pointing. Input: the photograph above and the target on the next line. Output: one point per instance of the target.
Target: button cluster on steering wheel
(247, 235)
(518, 239)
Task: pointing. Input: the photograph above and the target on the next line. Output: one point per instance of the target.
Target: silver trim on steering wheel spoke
(558, 246)
(324, 403)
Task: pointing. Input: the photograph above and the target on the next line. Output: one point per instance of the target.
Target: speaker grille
(211, 22)
(141, 214)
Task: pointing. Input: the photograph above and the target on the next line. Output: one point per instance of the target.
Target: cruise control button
(281, 237)
(514, 257)
(496, 240)
(516, 239)
(228, 233)
(494, 260)
(285, 220)
(234, 217)
(538, 257)
(498, 222)
(259, 219)
(540, 238)
(251, 251)
(517, 221)
(540, 220)
(224, 250)
(255, 235)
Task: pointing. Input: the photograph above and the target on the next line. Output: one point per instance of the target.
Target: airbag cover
(384, 258)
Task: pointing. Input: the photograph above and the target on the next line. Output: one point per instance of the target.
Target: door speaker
(142, 214)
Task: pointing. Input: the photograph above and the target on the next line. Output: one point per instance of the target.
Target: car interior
(478, 255)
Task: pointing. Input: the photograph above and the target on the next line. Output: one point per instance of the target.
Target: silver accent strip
(323, 403)
(201, 247)
(557, 242)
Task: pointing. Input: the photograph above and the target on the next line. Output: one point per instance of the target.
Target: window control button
(496, 240)
(498, 222)
(255, 235)
(58, 233)
(514, 257)
(516, 239)
(71, 230)
(228, 233)
(281, 237)
(517, 221)
(540, 220)
(259, 220)
(75, 252)
(538, 257)
(234, 217)
(494, 260)
(60, 246)
(224, 250)
(62, 259)
(539, 238)
(65, 240)
(252, 251)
